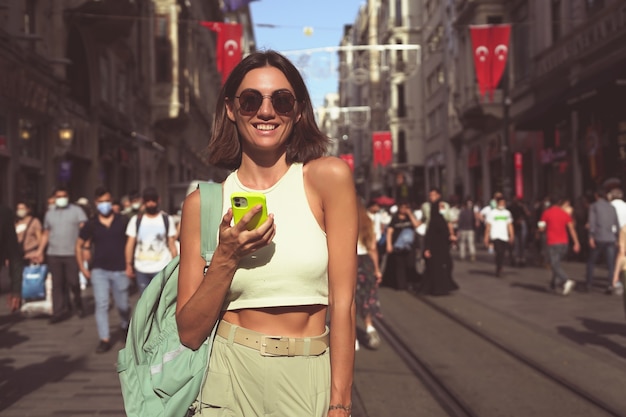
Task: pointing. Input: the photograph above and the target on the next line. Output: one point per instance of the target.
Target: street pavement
(50, 370)
(584, 333)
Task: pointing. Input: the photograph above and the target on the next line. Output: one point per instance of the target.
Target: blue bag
(405, 239)
(34, 282)
(159, 376)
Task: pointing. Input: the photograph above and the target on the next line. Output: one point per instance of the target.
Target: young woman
(271, 288)
(28, 231)
(369, 277)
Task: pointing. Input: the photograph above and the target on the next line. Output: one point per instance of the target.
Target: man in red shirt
(556, 222)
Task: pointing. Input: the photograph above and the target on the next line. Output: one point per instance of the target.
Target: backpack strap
(166, 222)
(210, 218)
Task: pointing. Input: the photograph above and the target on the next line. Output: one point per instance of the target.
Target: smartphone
(242, 202)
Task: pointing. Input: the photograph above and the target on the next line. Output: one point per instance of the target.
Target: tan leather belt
(274, 345)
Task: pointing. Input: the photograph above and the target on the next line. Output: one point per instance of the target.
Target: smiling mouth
(265, 127)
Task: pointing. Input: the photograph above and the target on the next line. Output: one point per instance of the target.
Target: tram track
(445, 389)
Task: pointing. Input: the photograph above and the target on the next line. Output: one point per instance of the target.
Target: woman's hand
(379, 277)
(427, 253)
(237, 242)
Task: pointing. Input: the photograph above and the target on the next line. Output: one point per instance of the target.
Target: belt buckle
(265, 339)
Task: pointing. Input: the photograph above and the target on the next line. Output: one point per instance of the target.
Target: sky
(288, 19)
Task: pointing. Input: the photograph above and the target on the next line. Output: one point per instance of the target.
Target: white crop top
(293, 269)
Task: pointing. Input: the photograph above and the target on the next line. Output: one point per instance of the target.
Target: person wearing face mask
(132, 207)
(106, 234)
(499, 231)
(60, 230)
(151, 241)
(28, 231)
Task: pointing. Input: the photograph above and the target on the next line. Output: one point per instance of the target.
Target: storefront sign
(65, 171)
(590, 38)
(549, 155)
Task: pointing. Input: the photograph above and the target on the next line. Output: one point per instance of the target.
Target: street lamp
(25, 129)
(66, 134)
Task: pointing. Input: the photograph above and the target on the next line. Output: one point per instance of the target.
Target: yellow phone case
(242, 202)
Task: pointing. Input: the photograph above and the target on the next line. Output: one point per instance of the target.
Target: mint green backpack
(159, 376)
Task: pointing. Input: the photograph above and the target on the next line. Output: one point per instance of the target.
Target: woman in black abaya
(437, 278)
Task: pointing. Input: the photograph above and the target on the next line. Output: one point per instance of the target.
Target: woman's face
(268, 127)
(21, 210)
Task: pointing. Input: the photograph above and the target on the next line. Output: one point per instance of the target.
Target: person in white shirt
(499, 231)
(151, 241)
(616, 197)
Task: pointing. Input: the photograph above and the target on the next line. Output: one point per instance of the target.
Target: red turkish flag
(383, 148)
(228, 45)
(349, 158)
(491, 48)
(377, 149)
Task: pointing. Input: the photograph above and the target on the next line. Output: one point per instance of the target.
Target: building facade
(560, 127)
(556, 121)
(112, 92)
(380, 90)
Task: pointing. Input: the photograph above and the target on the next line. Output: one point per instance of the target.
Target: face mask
(152, 209)
(21, 213)
(62, 202)
(136, 206)
(442, 212)
(105, 207)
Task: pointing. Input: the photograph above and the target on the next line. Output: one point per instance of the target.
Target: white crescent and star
(482, 52)
(230, 46)
(501, 51)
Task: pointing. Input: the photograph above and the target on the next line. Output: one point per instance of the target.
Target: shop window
(556, 16)
(29, 17)
(400, 64)
(401, 100)
(521, 39)
(402, 154)
(398, 14)
(163, 50)
(77, 74)
(29, 138)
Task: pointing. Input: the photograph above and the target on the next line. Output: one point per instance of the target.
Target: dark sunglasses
(250, 101)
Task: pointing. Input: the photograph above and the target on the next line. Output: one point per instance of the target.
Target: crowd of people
(97, 243)
(417, 242)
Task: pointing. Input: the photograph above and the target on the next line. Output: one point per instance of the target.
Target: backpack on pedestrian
(159, 376)
(166, 222)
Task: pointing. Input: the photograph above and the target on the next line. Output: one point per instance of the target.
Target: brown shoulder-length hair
(306, 141)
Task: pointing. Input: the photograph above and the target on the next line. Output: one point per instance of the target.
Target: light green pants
(242, 383)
